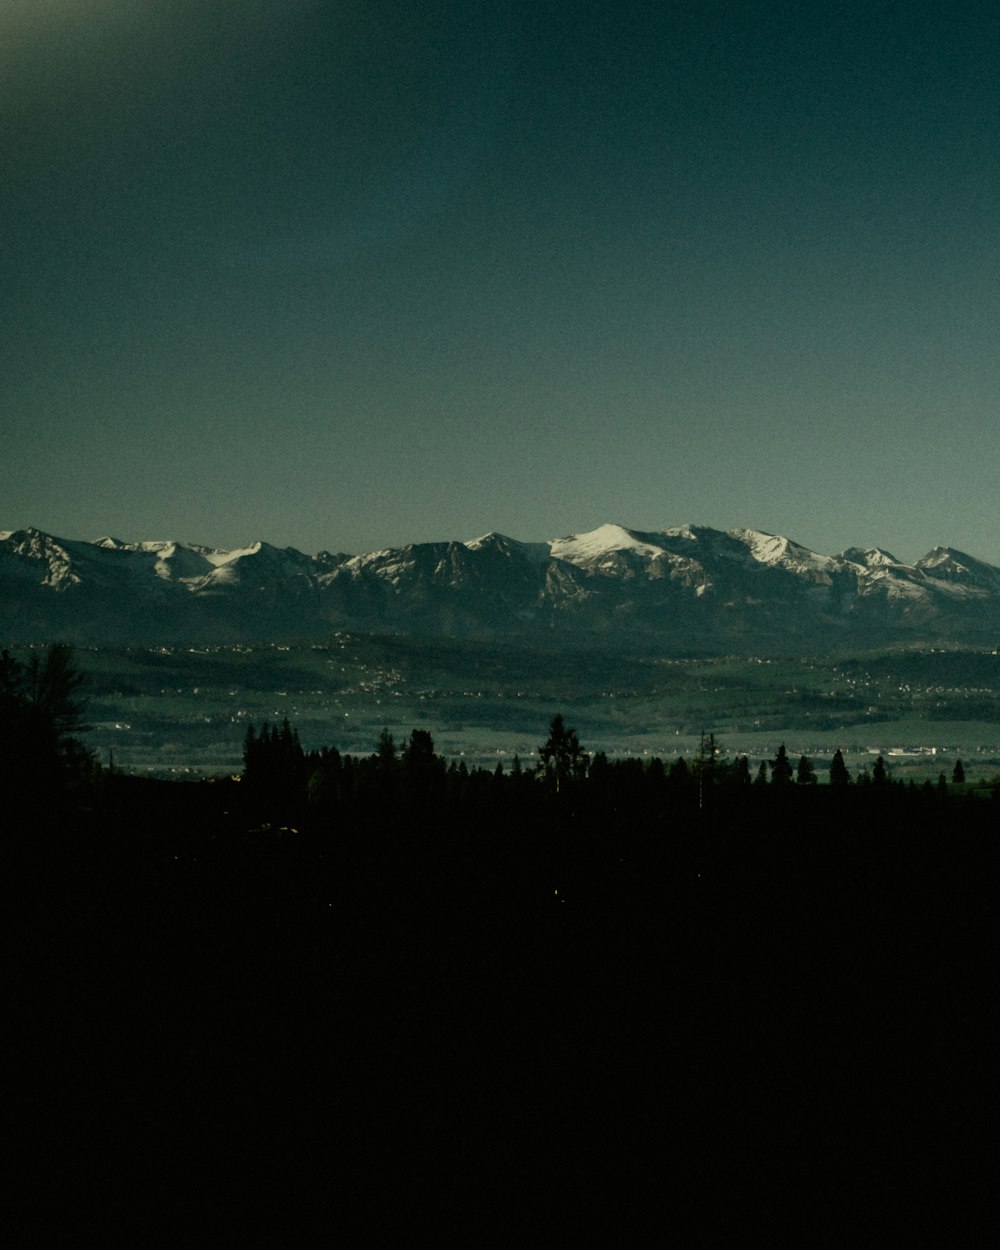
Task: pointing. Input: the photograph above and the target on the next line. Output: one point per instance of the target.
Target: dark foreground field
(447, 1027)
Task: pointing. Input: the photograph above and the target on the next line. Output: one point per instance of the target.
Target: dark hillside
(509, 989)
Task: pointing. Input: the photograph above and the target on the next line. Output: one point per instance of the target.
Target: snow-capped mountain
(684, 587)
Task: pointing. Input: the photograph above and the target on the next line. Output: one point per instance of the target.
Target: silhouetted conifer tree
(274, 770)
(561, 755)
(386, 753)
(839, 776)
(422, 770)
(41, 716)
(325, 775)
(707, 758)
(781, 768)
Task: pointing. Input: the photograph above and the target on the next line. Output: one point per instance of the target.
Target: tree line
(281, 781)
(46, 763)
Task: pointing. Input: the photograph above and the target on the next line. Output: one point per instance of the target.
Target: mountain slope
(683, 587)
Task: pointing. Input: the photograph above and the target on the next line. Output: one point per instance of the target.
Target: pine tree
(250, 749)
(41, 716)
(325, 774)
(386, 752)
(707, 758)
(422, 770)
(781, 768)
(561, 755)
(274, 769)
(419, 751)
(958, 773)
(55, 711)
(839, 776)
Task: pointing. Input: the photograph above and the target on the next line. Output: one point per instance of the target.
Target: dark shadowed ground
(417, 1027)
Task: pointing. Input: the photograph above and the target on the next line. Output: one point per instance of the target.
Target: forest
(48, 765)
(469, 982)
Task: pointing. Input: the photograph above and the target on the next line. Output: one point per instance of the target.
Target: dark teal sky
(343, 275)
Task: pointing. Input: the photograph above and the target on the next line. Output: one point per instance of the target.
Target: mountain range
(687, 588)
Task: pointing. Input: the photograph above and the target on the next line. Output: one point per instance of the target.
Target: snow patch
(220, 558)
(536, 552)
(606, 538)
(776, 549)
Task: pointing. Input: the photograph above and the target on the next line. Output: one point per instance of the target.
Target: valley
(175, 710)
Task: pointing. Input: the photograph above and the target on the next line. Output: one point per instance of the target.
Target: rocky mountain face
(685, 588)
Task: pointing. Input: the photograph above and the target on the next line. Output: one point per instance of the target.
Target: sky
(343, 276)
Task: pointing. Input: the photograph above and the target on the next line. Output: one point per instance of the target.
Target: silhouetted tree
(250, 753)
(419, 751)
(600, 773)
(325, 777)
(880, 774)
(958, 773)
(55, 711)
(386, 753)
(707, 758)
(839, 776)
(561, 755)
(781, 768)
(805, 774)
(741, 771)
(423, 772)
(274, 769)
(41, 718)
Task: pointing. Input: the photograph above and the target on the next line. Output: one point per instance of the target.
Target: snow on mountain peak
(219, 558)
(946, 557)
(602, 579)
(870, 557)
(946, 564)
(501, 542)
(777, 549)
(601, 541)
(684, 530)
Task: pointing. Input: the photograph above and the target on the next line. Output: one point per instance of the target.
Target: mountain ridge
(682, 586)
